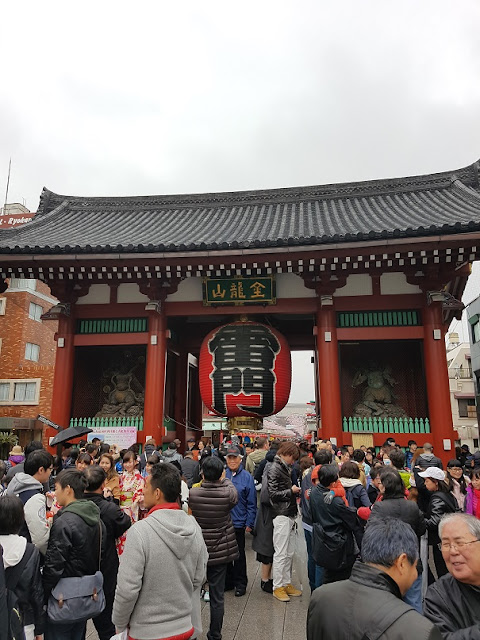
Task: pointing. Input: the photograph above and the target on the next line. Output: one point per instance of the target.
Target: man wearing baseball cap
(243, 517)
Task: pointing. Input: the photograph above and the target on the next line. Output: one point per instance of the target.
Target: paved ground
(258, 614)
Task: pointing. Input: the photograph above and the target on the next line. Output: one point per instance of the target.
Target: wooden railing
(98, 423)
(386, 425)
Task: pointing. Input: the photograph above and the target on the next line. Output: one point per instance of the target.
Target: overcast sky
(117, 98)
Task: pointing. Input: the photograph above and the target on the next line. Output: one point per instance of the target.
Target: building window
(23, 283)
(26, 391)
(476, 332)
(463, 408)
(4, 391)
(32, 351)
(35, 312)
(3, 304)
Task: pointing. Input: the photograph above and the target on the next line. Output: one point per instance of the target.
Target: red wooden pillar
(438, 389)
(329, 373)
(155, 378)
(63, 375)
(180, 411)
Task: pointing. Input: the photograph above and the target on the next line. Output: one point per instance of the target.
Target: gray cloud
(114, 98)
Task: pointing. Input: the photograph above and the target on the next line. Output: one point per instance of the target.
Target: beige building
(462, 391)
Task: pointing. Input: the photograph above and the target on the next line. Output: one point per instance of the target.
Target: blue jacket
(245, 511)
(408, 459)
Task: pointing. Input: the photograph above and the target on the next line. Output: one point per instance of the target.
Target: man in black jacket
(116, 523)
(190, 468)
(283, 499)
(74, 544)
(453, 602)
(373, 593)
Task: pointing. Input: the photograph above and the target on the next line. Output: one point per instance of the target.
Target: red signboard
(245, 370)
(9, 221)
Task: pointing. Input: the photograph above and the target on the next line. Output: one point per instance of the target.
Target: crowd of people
(135, 541)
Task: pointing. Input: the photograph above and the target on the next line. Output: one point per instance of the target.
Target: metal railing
(386, 425)
(460, 374)
(98, 423)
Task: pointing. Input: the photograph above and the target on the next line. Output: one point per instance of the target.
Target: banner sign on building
(239, 291)
(123, 437)
(8, 221)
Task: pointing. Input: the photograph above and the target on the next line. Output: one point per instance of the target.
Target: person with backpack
(357, 495)
(150, 448)
(23, 598)
(315, 572)
(28, 486)
(334, 526)
(372, 595)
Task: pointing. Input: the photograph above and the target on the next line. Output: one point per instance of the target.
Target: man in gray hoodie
(171, 453)
(164, 561)
(28, 486)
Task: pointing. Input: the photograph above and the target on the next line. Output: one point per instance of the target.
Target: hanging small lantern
(245, 370)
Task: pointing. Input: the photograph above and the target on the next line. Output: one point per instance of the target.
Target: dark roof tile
(403, 207)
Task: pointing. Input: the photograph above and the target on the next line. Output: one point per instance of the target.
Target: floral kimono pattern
(131, 491)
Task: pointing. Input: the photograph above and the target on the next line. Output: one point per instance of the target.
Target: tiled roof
(446, 203)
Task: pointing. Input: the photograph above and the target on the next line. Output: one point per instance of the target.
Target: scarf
(164, 505)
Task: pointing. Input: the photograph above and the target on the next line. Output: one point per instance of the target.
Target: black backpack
(11, 624)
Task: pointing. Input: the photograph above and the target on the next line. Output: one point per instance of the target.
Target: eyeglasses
(446, 546)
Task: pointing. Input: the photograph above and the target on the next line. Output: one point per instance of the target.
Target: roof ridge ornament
(446, 298)
(59, 309)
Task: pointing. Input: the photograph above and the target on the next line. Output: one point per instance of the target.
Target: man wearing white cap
(441, 503)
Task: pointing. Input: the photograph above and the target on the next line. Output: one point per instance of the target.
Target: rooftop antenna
(8, 184)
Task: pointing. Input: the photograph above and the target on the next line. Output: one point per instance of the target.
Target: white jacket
(35, 508)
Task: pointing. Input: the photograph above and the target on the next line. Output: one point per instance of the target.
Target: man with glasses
(453, 602)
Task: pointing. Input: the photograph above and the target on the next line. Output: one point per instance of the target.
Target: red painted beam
(286, 305)
(381, 333)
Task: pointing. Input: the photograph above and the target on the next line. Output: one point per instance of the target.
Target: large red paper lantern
(245, 370)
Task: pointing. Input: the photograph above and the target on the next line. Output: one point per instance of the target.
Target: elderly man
(243, 518)
(372, 596)
(453, 602)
